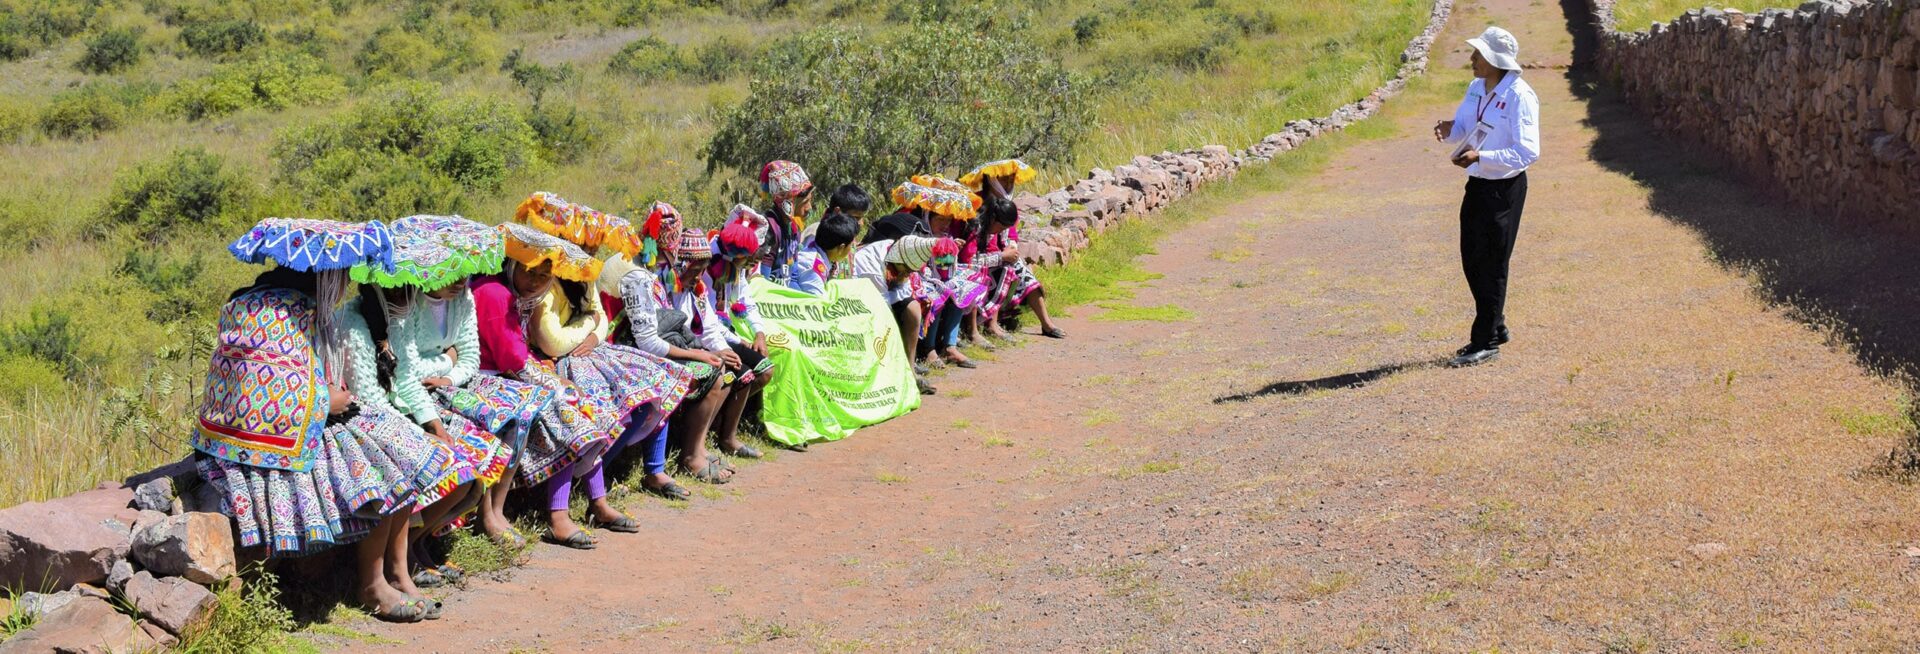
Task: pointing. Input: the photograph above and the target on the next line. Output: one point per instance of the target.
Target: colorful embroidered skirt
(704, 377)
(965, 286)
(616, 379)
(506, 408)
(364, 469)
(565, 433)
(1011, 283)
(475, 456)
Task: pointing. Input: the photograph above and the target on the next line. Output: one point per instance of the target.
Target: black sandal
(625, 525)
(408, 612)
(711, 474)
(1052, 332)
(580, 540)
(747, 452)
(715, 459)
(671, 491)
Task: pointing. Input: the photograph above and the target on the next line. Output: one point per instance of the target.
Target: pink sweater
(503, 340)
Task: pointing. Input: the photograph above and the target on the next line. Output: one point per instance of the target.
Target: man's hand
(1467, 158)
(436, 382)
(1442, 129)
(728, 358)
(586, 346)
(760, 343)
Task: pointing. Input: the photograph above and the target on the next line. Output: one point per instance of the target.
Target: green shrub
(646, 59)
(396, 52)
(275, 81)
(189, 188)
(25, 225)
(111, 51)
(535, 78)
(875, 109)
(48, 333)
(22, 378)
(82, 113)
(248, 618)
(423, 42)
(720, 59)
(16, 117)
(222, 37)
(406, 147)
(13, 43)
(49, 22)
(564, 133)
(1086, 28)
(175, 283)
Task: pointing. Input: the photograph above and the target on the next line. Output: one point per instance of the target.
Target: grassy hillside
(138, 136)
(1636, 15)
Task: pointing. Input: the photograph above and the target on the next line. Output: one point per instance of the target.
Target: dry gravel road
(1662, 461)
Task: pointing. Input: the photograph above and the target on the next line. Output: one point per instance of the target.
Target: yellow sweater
(556, 331)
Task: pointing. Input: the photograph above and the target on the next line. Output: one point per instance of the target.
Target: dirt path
(1661, 461)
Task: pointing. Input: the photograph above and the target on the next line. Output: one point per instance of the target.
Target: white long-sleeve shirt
(1513, 113)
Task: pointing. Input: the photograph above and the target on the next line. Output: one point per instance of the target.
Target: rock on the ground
(38, 605)
(198, 546)
(155, 495)
(84, 626)
(171, 602)
(55, 544)
(118, 576)
(160, 636)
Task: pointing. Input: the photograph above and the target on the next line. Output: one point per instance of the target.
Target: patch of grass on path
(1124, 312)
(1637, 15)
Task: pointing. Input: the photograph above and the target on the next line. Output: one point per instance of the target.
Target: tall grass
(1286, 61)
(1637, 15)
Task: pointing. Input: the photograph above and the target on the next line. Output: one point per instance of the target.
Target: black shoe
(1499, 339)
(1474, 357)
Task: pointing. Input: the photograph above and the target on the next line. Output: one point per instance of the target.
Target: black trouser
(1489, 222)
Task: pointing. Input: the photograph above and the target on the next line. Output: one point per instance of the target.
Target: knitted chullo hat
(912, 251)
(784, 181)
(660, 232)
(695, 245)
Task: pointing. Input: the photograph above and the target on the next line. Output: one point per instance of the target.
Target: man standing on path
(1497, 127)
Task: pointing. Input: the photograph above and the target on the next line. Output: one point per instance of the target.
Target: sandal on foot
(625, 525)
(798, 447)
(511, 540)
(717, 460)
(965, 363)
(671, 491)
(747, 452)
(430, 578)
(1052, 332)
(452, 572)
(434, 608)
(711, 474)
(580, 540)
(407, 612)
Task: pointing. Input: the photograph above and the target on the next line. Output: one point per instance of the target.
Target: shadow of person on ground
(1336, 382)
(1853, 278)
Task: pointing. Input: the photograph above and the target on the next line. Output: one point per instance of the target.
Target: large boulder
(174, 604)
(198, 546)
(84, 626)
(155, 495)
(55, 544)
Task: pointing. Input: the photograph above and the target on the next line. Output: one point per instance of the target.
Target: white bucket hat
(1498, 47)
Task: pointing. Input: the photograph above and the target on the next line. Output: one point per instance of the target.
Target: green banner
(838, 361)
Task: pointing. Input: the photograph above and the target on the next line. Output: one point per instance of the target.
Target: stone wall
(1059, 222)
(1817, 101)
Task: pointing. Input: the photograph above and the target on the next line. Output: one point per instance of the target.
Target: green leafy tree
(874, 109)
(111, 51)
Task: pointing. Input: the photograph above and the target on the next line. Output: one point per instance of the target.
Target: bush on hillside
(406, 148)
(82, 113)
(13, 41)
(874, 109)
(52, 22)
(720, 59)
(189, 188)
(111, 51)
(222, 37)
(422, 43)
(16, 117)
(563, 131)
(48, 333)
(535, 78)
(647, 59)
(273, 81)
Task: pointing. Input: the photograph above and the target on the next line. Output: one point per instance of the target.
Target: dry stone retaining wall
(158, 541)
(1819, 100)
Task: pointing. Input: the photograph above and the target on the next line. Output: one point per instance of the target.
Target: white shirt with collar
(1513, 111)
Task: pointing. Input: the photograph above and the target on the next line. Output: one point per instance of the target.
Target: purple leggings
(644, 426)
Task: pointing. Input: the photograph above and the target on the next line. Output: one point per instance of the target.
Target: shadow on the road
(1349, 380)
(1853, 279)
